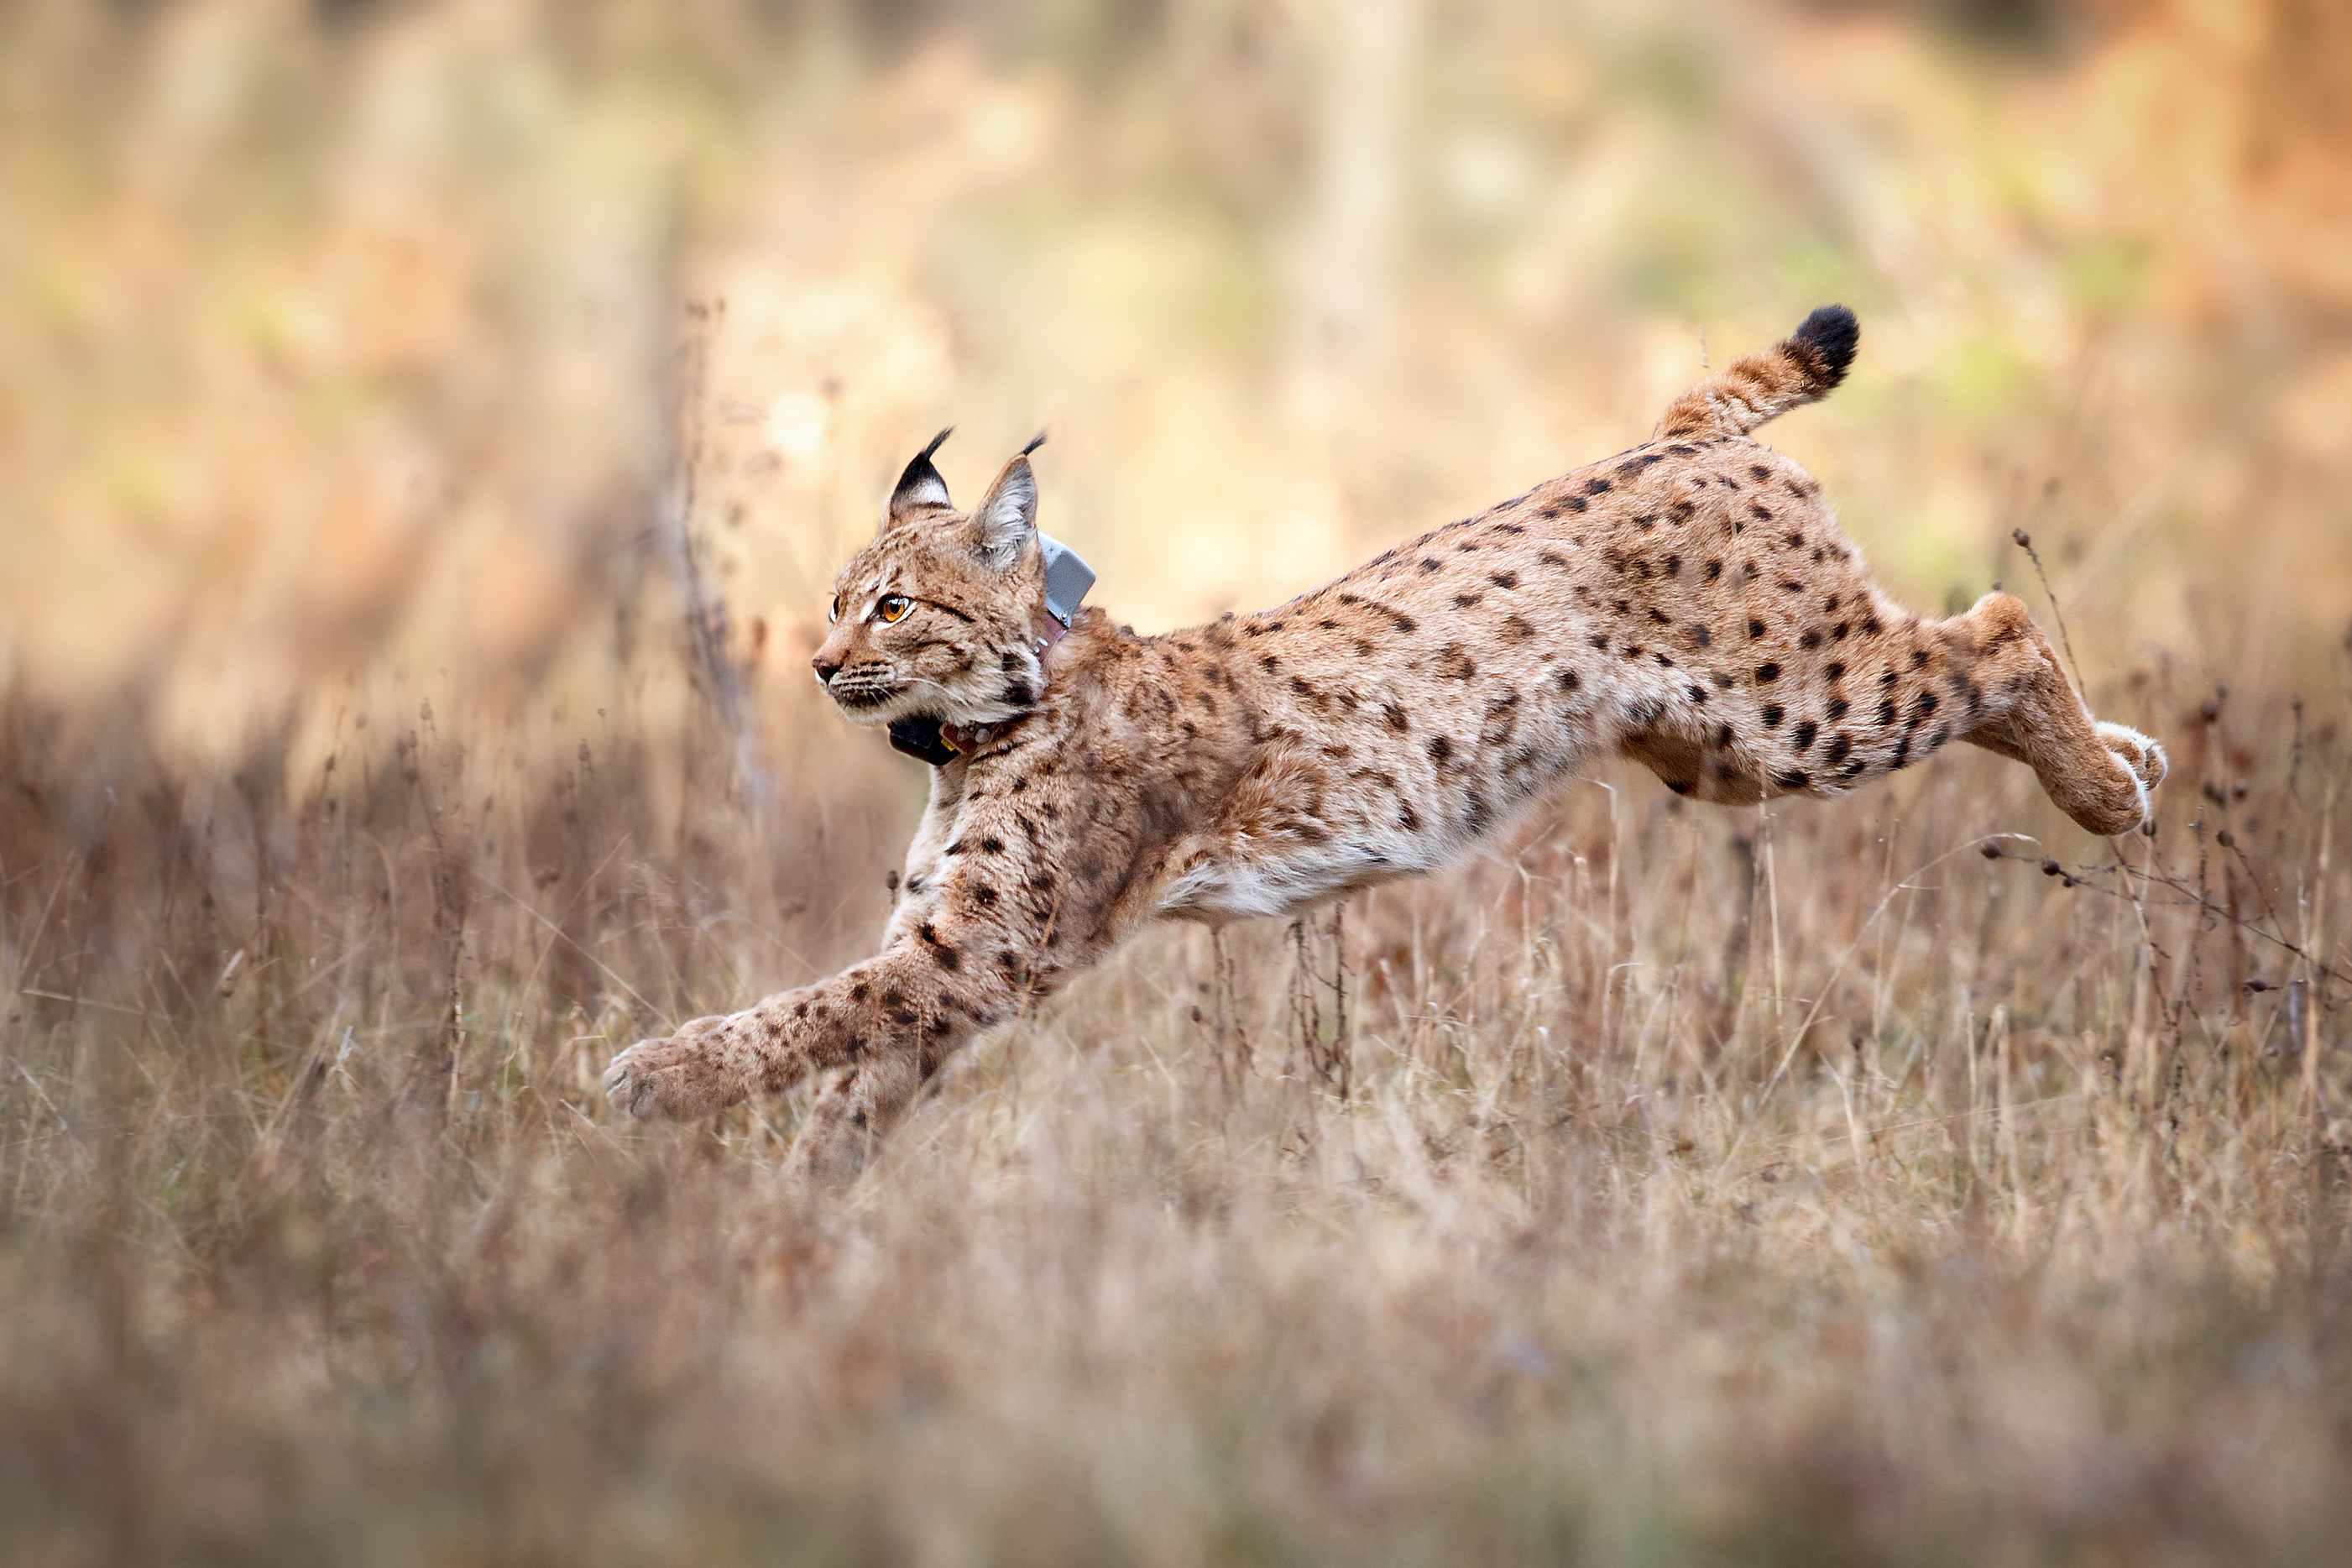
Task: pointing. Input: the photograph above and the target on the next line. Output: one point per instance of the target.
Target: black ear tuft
(1035, 442)
(1832, 334)
(920, 487)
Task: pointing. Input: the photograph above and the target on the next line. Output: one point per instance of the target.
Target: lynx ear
(1007, 520)
(920, 488)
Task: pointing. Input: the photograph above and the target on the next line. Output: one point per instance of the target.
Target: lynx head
(937, 617)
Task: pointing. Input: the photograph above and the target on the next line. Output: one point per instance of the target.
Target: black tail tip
(1831, 333)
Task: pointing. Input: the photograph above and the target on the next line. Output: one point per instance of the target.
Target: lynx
(1689, 604)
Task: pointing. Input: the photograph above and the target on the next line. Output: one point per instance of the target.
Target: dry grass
(2002, 1227)
(1672, 1184)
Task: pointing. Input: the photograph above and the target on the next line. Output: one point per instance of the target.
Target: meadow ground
(1846, 1183)
(424, 435)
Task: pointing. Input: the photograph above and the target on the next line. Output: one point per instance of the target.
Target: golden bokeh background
(348, 346)
(427, 429)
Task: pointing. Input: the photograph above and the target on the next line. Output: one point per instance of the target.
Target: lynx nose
(826, 668)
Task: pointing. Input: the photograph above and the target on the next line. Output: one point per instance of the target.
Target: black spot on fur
(1714, 570)
(1773, 713)
(1838, 749)
(1701, 635)
(1837, 709)
(992, 845)
(946, 956)
(1439, 748)
(1466, 601)
(1792, 779)
(1766, 674)
(1806, 731)
(1397, 720)
(1568, 680)
(1505, 579)
(1755, 630)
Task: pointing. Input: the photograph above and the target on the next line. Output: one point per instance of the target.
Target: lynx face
(934, 618)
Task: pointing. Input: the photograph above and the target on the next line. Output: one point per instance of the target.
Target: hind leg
(2025, 709)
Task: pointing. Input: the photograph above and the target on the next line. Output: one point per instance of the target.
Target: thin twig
(2056, 613)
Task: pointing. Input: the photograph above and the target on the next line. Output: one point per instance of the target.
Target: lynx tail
(1803, 369)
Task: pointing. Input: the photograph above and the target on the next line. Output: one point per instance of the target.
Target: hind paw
(2140, 752)
(2141, 756)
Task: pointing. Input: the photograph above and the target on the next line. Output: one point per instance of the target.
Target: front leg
(905, 1000)
(852, 1114)
(1043, 871)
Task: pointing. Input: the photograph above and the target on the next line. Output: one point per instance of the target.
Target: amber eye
(892, 607)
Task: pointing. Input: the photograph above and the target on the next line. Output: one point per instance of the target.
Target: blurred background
(352, 351)
(427, 432)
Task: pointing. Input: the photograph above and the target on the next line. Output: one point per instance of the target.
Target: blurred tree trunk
(1344, 268)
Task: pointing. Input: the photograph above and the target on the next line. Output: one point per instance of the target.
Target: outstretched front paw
(690, 1073)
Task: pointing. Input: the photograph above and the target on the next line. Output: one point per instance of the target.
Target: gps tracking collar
(1068, 578)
